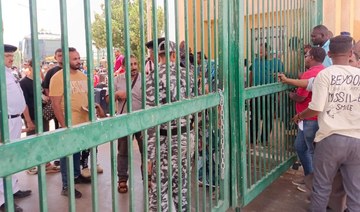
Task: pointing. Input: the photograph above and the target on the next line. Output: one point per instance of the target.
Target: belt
(13, 116)
(173, 131)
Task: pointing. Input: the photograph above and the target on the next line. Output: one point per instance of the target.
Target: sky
(16, 20)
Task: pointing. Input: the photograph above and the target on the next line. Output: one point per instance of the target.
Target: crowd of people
(327, 105)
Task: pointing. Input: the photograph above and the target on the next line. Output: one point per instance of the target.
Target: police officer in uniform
(16, 106)
(164, 140)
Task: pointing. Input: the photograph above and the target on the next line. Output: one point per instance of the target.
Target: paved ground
(280, 196)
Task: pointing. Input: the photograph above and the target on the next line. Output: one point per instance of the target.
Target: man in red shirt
(307, 129)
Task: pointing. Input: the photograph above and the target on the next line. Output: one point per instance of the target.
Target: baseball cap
(162, 47)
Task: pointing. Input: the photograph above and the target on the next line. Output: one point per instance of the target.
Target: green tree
(118, 33)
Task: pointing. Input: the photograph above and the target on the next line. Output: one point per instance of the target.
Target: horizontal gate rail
(264, 90)
(72, 139)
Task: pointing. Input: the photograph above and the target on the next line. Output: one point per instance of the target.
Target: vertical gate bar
(203, 152)
(216, 113)
(70, 180)
(67, 105)
(156, 79)
(224, 27)
(66, 67)
(143, 106)
(274, 20)
(287, 22)
(94, 178)
(253, 112)
(178, 121)
(274, 131)
(210, 110)
(270, 28)
(203, 113)
(196, 129)
(247, 174)
(35, 67)
(109, 47)
(319, 12)
(265, 116)
(215, 45)
(188, 94)
(196, 119)
(217, 155)
(247, 52)
(168, 100)
(113, 144)
(92, 117)
(42, 188)
(38, 104)
(9, 197)
(4, 125)
(89, 60)
(129, 102)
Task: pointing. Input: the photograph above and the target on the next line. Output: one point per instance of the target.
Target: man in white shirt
(336, 98)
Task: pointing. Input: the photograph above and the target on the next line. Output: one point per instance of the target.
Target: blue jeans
(304, 145)
(63, 168)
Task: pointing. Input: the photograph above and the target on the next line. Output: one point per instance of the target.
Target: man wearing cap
(149, 66)
(164, 131)
(16, 106)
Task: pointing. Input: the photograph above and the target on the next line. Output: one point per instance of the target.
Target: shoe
(16, 208)
(21, 194)
(52, 168)
(65, 192)
(302, 188)
(82, 180)
(86, 172)
(300, 182)
(99, 169)
(56, 162)
(122, 187)
(32, 171)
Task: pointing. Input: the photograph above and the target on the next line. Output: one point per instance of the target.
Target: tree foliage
(118, 26)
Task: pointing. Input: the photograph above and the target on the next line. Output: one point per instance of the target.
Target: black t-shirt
(27, 86)
(46, 82)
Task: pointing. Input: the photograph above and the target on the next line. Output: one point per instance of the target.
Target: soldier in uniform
(16, 106)
(164, 140)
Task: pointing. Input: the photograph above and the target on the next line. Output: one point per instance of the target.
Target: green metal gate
(207, 108)
(232, 109)
(267, 38)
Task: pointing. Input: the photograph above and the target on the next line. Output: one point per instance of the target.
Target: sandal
(122, 187)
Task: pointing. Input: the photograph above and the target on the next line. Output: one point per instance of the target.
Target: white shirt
(15, 98)
(336, 94)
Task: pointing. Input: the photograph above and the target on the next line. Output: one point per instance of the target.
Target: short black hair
(72, 49)
(318, 54)
(341, 44)
(323, 29)
(199, 52)
(267, 47)
(58, 50)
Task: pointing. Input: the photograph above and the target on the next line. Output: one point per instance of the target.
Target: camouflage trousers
(178, 188)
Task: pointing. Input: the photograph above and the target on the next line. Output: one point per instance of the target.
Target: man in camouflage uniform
(164, 140)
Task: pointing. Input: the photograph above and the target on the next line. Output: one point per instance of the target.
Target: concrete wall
(342, 15)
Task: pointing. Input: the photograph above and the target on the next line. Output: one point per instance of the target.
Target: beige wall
(342, 15)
